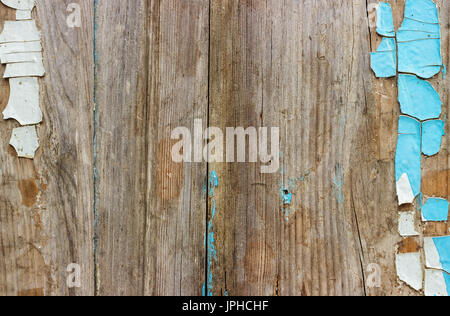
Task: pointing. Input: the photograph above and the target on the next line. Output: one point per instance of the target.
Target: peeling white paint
(23, 47)
(28, 69)
(21, 57)
(25, 141)
(20, 4)
(406, 225)
(435, 284)
(23, 15)
(409, 269)
(404, 190)
(23, 105)
(432, 255)
(20, 31)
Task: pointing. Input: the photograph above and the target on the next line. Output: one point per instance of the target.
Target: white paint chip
(25, 141)
(29, 69)
(23, 15)
(409, 269)
(23, 47)
(20, 31)
(432, 257)
(21, 57)
(20, 4)
(406, 225)
(435, 284)
(23, 105)
(404, 191)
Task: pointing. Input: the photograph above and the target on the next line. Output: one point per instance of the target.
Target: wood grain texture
(140, 224)
(46, 215)
(152, 78)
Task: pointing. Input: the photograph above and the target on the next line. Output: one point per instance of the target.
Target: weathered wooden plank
(152, 77)
(46, 203)
(299, 66)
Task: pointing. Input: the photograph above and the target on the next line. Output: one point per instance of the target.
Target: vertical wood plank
(46, 203)
(152, 77)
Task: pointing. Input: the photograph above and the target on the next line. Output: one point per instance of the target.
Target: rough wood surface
(302, 66)
(46, 214)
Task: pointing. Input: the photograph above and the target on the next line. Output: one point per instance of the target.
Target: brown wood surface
(138, 223)
(46, 210)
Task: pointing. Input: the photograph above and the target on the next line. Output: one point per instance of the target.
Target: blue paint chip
(418, 98)
(385, 21)
(435, 210)
(408, 156)
(432, 133)
(384, 60)
(443, 248)
(447, 281)
(287, 197)
(422, 11)
(419, 43)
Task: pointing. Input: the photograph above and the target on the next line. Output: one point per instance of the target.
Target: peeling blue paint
(408, 158)
(447, 281)
(385, 21)
(384, 60)
(444, 70)
(432, 133)
(443, 248)
(338, 183)
(211, 247)
(419, 43)
(418, 98)
(435, 210)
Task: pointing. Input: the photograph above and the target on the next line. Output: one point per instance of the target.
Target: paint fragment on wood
(437, 283)
(418, 98)
(23, 105)
(437, 253)
(435, 210)
(384, 60)
(432, 133)
(25, 141)
(406, 226)
(385, 20)
(419, 43)
(409, 269)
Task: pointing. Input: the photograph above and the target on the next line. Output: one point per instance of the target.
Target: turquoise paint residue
(418, 98)
(338, 184)
(385, 21)
(435, 210)
(211, 247)
(213, 183)
(444, 71)
(432, 133)
(419, 43)
(443, 248)
(384, 60)
(408, 157)
(286, 196)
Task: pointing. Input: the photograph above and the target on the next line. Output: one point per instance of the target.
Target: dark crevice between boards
(208, 188)
(96, 122)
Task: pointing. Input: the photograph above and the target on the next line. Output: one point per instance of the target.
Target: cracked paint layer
(23, 105)
(432, 133)
(405, 193)
(437, 253)
(384, 60)
(385, 21)
(211, 248)
(435, 210)
(437, 283)
(25, 141)
(418, 39)
(408, 154)
(418, 98)
(409, 269)
(20, 31)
